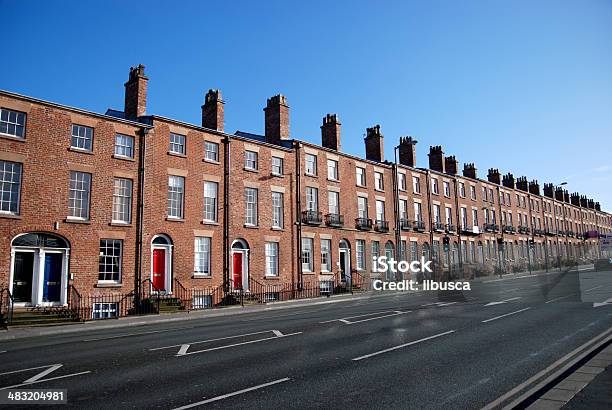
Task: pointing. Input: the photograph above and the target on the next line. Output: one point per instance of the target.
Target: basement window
(105, 311)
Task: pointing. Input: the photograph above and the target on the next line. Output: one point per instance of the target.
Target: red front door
(237, 263)
(159, 269)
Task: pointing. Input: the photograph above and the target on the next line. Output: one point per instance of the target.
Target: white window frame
(251, 160)
(176, 197)
(82, 137)
(326, 262)
(360, 175)
(177, 144)
(310, 164)
(416, 184)
(211, 151)
(211, 195)
(251, 217)
(124, 146)
(278, 210)
(332, 170)
(379, 181)
(312, 199)
(12, 120)
(10, 182)
(435, 187)
(79, 192)
(333, 202)
(122, 200)
(105, 245)
(278, 168)
(360, 254)
(362, 207)
(272, 259)
(201, 255)
(307, 253)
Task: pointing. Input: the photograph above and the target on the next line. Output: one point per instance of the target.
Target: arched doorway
(39, 269)
(344, 262)
(240, 264)
(161, 263)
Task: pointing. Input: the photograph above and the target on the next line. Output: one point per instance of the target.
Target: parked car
(603, 264)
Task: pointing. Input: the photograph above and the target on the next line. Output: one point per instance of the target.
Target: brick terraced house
(107, 210)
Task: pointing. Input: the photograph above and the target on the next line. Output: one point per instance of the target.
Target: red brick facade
(521, 212)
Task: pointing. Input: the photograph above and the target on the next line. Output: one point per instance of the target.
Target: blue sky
(524, 86)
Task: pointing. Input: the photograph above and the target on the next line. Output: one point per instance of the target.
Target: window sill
(277, 175)
(205, 222)
(123, 158)
(211, 161)
(379, 190)
(270, 277)
(171, 219)
(122, 224)
(416, 193)
(177, 154)
(80, 150)
(361, 186)
(333, 180)
(309, 273)
(310, 175)
(251, 170)
(251, 226)
(108, 285)
(77, 221)
(12, 137)
(10, 216)
(201, 276)
(275, 228)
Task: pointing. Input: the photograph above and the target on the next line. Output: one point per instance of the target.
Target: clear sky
(524, 86)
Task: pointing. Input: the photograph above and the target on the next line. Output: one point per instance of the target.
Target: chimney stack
(534, 187)
(436, 158)
(521, 183)
(451, 164)
(559, 194)
(548, 190)
(469, 170)
(407, 151)
(136, 93)
(508, 181)
(330, 132)
(575, 199)
(374, 145)
(591, 204)
(584, 203)
(277, 119)
(597, 206)
(494, 176)
(212, 111)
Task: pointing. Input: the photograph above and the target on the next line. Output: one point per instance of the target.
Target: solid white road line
(31, 368)
(2, 351)
(507, 314)
(438, 304)
(596, 287)
(502, 301)
(559, 298)
(225, 396)
(402, 345)
(604, 303)
(213, 340)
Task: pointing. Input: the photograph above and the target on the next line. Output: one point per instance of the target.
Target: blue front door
(52, 281)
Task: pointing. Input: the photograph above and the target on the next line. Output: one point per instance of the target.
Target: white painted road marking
(605, 302)
(502, 301)
(38, 378)
(596, 287)
(225, 396)
(122, 335)
(357, 316)
(402, 345)
(438, 304)
(397, 312)
(213, 340)
(183, 351)
(559, 298)
(507, 314)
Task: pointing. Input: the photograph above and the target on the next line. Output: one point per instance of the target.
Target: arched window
(161, 239)
(41, 240)
(240, 244)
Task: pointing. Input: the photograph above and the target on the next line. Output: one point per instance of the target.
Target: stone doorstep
(563, 392)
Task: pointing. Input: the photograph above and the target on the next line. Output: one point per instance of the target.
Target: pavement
(481, 348)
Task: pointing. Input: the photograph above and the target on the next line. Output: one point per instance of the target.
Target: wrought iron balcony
(437, 226)
(419, 226)
(491, 228)
(509, 229)
(363, 224)
(311, 217)
(450, 228)
(334, 220)
(570, 234)
(381, 226)
(405, 224)
(550, 232)
(538, 232)
(523, 229)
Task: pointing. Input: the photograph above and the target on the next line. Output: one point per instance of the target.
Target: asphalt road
(397, 350)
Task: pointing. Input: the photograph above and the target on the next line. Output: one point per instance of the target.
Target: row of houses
(98, 204)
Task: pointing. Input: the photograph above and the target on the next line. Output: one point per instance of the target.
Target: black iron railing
(419, 226)
(311, 217)
(450, 228)
(437, 226)
(6, 307)
(363, 224)
(405, 224)
(381, 226)
(334, 220)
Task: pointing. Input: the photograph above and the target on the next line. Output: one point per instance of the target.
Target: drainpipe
(457, 227)
(226, 216)
(398, 238)
(298, 207)
(140, 215)
(431, 240)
